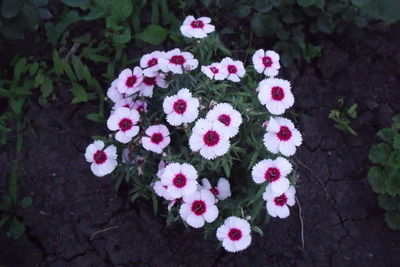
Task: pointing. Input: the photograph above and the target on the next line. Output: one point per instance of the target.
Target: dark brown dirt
(343, 224)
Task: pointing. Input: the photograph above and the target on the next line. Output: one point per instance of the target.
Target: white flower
(161, 190)
(235, 69)
(124, 120)
(140, 106)
(150, 63)
(215, 71)
(222, 191)
(180, 179)
(282, 136)
(128, 81)
(126, 156)
(161, 167)
(228, 116)
(113, 93)
(124, 102)
(157, 138)
(148, 83)
(103, 160)
(198, 208)
(181, 108)
(267, 62)
(274, 172)
(196, 28)
(234, 234)
(277, 203)
(211, 138)
(177, 61)
(276, 95)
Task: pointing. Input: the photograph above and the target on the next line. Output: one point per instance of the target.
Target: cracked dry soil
(77, 220)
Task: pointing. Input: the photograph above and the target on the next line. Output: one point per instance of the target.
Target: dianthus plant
(204, 130)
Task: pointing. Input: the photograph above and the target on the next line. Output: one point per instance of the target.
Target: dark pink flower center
(214, 70)
(125, 124)
(131, 81)
(277, 93)
(180, 106)
(197, 24)
(272, 174)
(152, 62)
(235, 234)
(211, 138)
(267, 61)
(215, 191)
(149, 81)
(157, 138)
(199, 207)
(232, 69)
(177, 60)
(225, 119)
(280, 200)
(140, 108)
(284, 133)
(126, 106)
(100, 157)
(179, 180)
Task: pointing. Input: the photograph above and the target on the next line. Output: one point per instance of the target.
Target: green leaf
(387, 10)
(95, 117)
(17, 228)
(26, 202)
(396, 141)
(4, 220)
(47, 87)
(10, 8)
(387, 134)
(68, 70)
(80, 94)
(155, 203)
(379, 153)
(121, 9)
(54, 31)
(262, 6)
(257, 230)
(377, 179)
(83, 4)
(388, 202)
(393, 182)
(392, 218)
(123, 37)
(16, 104)
(19, 68)
(396, 118)
(31, 17)
(306, 3)
(78, 66)
(227, 169)
(153, 34)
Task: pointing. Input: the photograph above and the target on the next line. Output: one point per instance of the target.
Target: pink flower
(156, 139)
(215, 71)
(234, 68)
(150, 63)
(274, 172)
(177, 61)
(282, 137)
(277, 203)
(140, 106)
(234, 234)
(124, 121)
(128, 81)
(196, 28)
(103, 160)
(148, 83)
(267, 62)
(199, 208)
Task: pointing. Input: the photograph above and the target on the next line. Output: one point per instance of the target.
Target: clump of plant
(18, 16)
(343, 117)
(384, 177)
(212, 144)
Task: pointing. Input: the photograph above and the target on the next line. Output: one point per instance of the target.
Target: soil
(77, 220)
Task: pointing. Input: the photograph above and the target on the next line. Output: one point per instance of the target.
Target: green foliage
(343, 117)
(385, 178)
(387, 10)
(18, 16)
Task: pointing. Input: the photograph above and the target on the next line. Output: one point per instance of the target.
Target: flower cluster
(200, 131)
